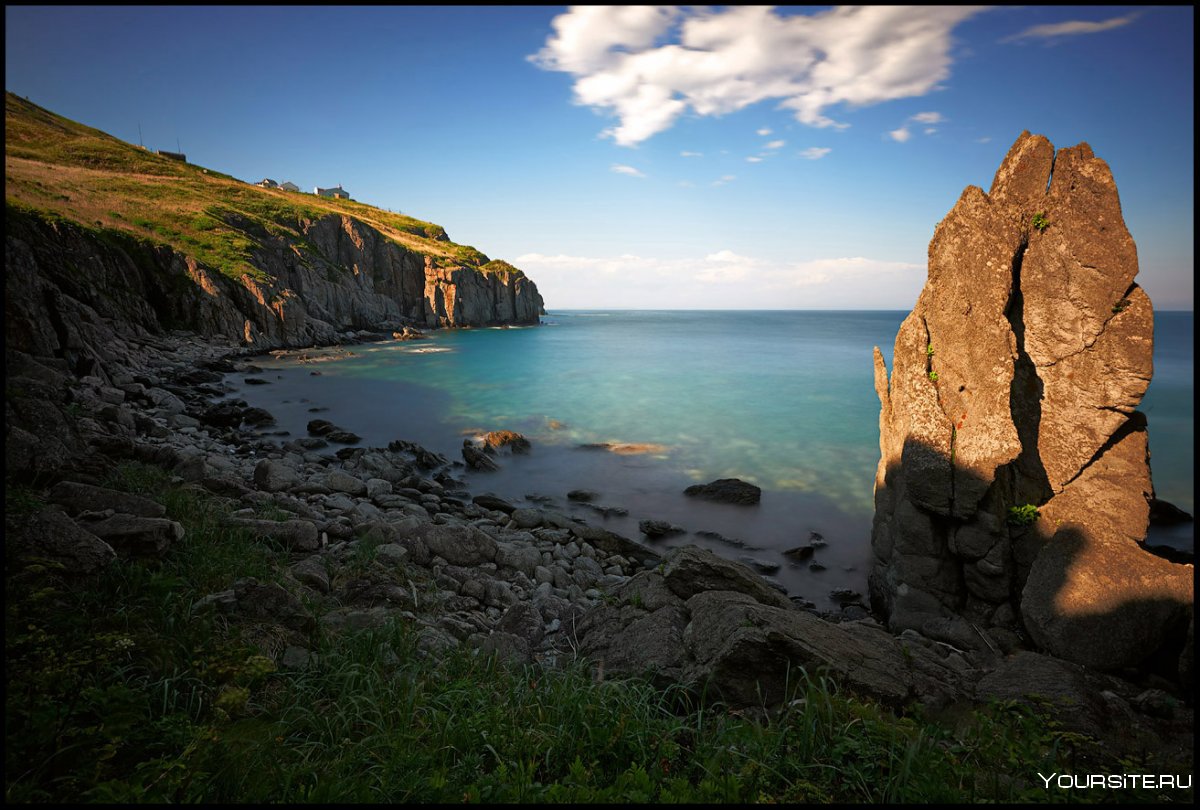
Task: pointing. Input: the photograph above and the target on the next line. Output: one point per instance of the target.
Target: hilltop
(56, 165)
(295, 268)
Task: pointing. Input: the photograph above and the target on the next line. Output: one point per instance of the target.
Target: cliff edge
(99, 231)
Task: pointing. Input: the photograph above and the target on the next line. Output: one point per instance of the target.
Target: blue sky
(794, 157)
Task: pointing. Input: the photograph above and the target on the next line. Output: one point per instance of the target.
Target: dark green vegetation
(1023, 515)
(119, 690)
(61, 168)
(1040, 222)
(1120, 306)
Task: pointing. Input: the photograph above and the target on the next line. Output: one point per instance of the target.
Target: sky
(789, 157)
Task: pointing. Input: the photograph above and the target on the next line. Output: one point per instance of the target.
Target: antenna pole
(140, 135)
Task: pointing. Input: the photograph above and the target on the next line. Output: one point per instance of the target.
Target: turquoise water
(782, 399)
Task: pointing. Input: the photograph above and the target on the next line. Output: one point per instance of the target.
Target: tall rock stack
(1014, 386)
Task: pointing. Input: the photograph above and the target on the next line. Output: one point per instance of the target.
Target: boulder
(133, 536)
(458, 545)
(726, 490)
(76, 498)
(275, 476)
(477, 459)
(502, 439)
(50, 535)
(659, 528)
(1013, 392)
(745, 642)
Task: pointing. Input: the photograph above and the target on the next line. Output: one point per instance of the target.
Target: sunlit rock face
(69, 292)
(1014, 385)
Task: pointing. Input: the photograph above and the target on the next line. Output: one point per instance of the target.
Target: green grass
(70, 171)
(117, 691)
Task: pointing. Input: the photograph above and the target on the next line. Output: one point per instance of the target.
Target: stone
(275, 476)
(502, 439)
(726, 490)
(582, 495)
(659, 528)
(313, 573)
(458, 545)
(340, 481)
(50, 535)
(489, 501)
(273, 602)
(527, 518)
(1014, 385)
(76, 498)
(688, 571)
(132, 536)
(477, 459)
(1094, 595)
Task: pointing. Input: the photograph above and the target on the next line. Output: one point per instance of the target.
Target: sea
(638, 405)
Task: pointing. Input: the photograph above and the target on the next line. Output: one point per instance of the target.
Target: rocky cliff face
(1014, 385)
(67, 288)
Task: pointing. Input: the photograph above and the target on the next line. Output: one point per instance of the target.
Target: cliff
(1013, 485)
(100, 231)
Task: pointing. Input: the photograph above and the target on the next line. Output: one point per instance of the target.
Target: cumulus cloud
(723, 179)
(928, 118)
(1071, 28)
(816, 152)
(685, 153)
(721, 279)
(900, 135)
(650, 65)
(775, 145)
(765, 131)
(985, 139)
(754, 159)
(621, 168)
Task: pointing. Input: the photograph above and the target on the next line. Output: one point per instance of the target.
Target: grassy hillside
(120, 690)
(61, 167)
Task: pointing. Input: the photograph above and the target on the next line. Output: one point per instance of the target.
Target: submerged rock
(726, 490)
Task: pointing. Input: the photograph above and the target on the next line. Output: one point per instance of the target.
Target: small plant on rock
(929, 350)
(1040, 222)
(1023, 515)
(933, 376)
(1121, 306)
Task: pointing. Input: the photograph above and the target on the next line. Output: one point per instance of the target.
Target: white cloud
(775, 145)
(1071, 28)
(754, 159)
(650, 65)
(685, 153)
(723, 179)
(985, 139)
(722, 279)
(765, 131)
(900, 135)
(928, 118)
(816, 152)
(621, 168)
(930, 130)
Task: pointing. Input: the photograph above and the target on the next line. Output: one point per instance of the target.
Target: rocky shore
(391, 534)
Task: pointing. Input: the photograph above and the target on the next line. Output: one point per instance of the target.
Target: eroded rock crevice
(1043, 346)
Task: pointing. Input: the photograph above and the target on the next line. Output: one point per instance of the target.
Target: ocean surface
(783, 399)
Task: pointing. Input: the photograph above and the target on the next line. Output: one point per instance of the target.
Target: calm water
(782, 399)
